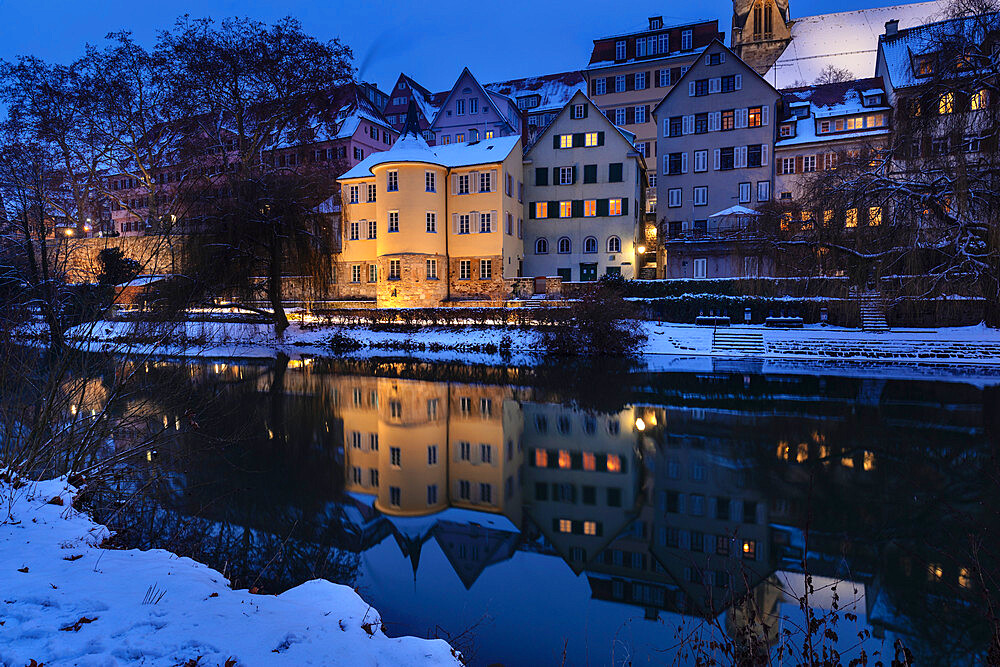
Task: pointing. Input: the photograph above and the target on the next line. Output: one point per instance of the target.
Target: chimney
(891, 27)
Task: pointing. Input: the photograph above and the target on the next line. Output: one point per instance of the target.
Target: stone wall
(492, 289)
(155, 254)
(413, 289)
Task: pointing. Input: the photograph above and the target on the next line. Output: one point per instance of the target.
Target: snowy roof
(409, 148)
(827, 101)
(734, 210)
(555, 90)
(345, 124)
(846, 40)
(899, 49)
(671, 56)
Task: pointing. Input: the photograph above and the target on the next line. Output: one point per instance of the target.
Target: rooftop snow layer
(415, 149)
(846, 40)
(827, 101)
(555, 90)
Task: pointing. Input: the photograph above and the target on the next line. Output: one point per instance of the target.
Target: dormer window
(923, 66)
(687, 40)
(786, 130)
(655, 22)
(824, 126)
(873, 100)
(620, 49)
(528, 102)
(802, 111)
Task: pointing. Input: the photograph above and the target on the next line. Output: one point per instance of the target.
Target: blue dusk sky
(431, 40)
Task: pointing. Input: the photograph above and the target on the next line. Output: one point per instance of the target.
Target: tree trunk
(47, 293)
(274, 284)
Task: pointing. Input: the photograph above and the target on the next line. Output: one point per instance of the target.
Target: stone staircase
(872, 313)
(738, 342)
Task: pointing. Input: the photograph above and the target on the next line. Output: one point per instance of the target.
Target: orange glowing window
(563, 458)
(589, 462)
(590, 528)
(565, 526)
(614, 463)
(541, 458)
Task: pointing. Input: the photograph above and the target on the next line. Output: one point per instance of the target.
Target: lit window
(614, 207)
(614, 463)
(488, 134)
(565, 526)
(978, 100)
(589, 208)
(541, 458)
(589, 461)
(590, 528)
(565, 141)
(541, 209)
(590, 139)
(851, 218)
(947, 103)
(563, 458)
(750, 549)
(875, 216)
(565, 209)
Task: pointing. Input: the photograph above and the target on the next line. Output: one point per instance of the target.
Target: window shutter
(739, 82)
(593, 87)
(602, 207)
(717, 158)
(531, 210)
(666, 127)
(722, 57)
(474, 220)
(629, 115)
(666, 164)
(763, 155)
(684, 162)
(743, 156)
(553, 209)
(624, 205)
(629, 82)
(586, 110)
(675, 74)
(690, 88)
(645, 113)
(764, 114)
(541, 176)
(578, 140)
(454, 184)
(600, 138)
(474, 186)
(715, 85)
(656, 78)
(576, 208)
(687, 125)
(573, 179)
(454, 222)
(555, 141)
(555, 175)
(798, 164)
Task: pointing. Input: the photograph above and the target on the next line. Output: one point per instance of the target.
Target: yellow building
(424, 225)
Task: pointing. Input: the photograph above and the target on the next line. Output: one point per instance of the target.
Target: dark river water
(591, 516)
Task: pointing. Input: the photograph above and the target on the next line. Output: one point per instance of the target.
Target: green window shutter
(586, 110)
(600, 138)
(590, 173)
(555, 141)
(602, 207)
(577, 140)
(541, 176)
(531, 210)
(553, 209)
(555, 175)
(577, 207)
(624, 205)
(615, 172)
(574, 174)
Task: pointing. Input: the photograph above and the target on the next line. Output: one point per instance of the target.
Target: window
(485, 269)
(946, 104)
(463, 184)
(590, 244)
(355, 273)
(463, 223)
(591, 138)
(673, 197)
(978, 100)
(728, 119)
(640, 84)
(614, 244)
(432, 494)
(432, 269)
(355, 231)
(372, 229)
(463, 489)
(509, 227)
(460, 138)
(614, 207)
(578, 111)
(565, 141)
(700, 267)
(701, 123)
(590, 528)
(763, 190)
(808, 163)
(875, 216)
(686, 40)
(486, 453)
(755, 117)
(431, 222)
(371, 192)
(851, 217)
(459, 107)
(745, 189)
(353, 192)
(675, 126)
(395, 456)
(787, 165)
(485, 223)
(430, 181)
(465, 269)
(565, 209)
(393, 221)
(541, 246)
(600, 86)
(620, 49)
(486, 181)
(615, 172)
(755, 156)
(701, 160)
(621, 115)
(565, 175)
(620, 83)
(392, 181)
(432, 455)
(372, 273)
(394, 269)
(589, 208)
(829, 161)
(486, 493)
(664, 78)
(564, 246)
(786, 130)
(700, 87)
(700, 195)
(541, 209)
(394, 496)
(474, 105)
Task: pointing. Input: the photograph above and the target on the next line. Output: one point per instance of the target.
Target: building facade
(716, 137)
(424, 225)
(470, 112)
(583, 197)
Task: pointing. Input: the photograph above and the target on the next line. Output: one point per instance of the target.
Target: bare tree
(833, 74)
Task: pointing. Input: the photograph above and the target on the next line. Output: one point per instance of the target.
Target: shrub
(601, 323)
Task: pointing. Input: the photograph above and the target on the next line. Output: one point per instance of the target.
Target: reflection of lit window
(875, 216)
(964, 579)
(783, 450)
(750, 549)
(394, 496)
(614, 463)
(847, 461)
(589, 462)
(565, 526)
(394, 456)
(563, 458)
(802, 452)
(869, 461)
(977, 101)
(541, 458)
(590, 528)
(934, 572)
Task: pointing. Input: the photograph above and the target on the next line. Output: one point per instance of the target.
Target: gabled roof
(409, 148)
(581, 98)
(694, 66)
(424, 99)
(486, 94)
(827, 101)
(846, 40)
(555, 90)
(898, 50)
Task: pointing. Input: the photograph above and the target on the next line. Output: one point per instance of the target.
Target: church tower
(760, 31)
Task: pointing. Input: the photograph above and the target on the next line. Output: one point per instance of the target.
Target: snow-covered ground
(66, 601)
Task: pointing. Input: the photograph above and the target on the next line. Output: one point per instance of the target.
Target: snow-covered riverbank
(66, 601)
